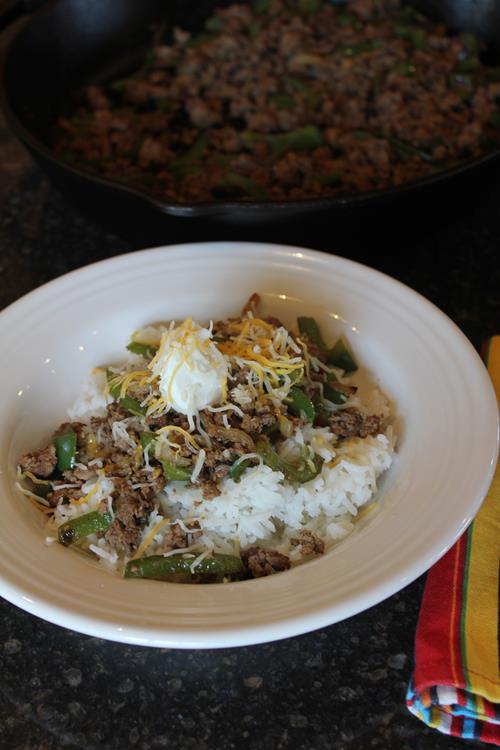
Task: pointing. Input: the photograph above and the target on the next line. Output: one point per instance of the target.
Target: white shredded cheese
(200, 460)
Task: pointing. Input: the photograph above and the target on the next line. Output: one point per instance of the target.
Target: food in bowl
(214, 453)
(289, 99)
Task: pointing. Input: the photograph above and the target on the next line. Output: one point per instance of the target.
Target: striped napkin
(455, 686)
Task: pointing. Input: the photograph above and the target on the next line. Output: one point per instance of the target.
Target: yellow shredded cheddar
(147, 541)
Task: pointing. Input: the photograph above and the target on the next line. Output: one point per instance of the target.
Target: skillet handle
(10, 10)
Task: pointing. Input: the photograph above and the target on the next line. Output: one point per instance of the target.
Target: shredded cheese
(86, 498)
(149, 538)
(200, 460)
(33, 478)
(39, 502)
(198, 560)
(174, 428)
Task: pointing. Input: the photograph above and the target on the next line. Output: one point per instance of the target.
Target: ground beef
(226, 445)
(152, 151)
(176, 537)
(261, 414)
(180, 420)
(372, 425)
(385, 96)
(221, 471)
(346, 422)
(123, 538)
(97, 99)
(276, 322)
(78, 474)
(63, 495)
(209, 488)
(251, 304)
(40, 463)
(151, 485)
(131, 511)
(310, 543)
(351, 423)
(264, 562)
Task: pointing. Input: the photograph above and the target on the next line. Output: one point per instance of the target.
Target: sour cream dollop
(192, 372)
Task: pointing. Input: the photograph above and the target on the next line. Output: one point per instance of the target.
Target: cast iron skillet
(64, 43)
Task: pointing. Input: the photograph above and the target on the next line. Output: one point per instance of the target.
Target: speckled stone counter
(338, 688)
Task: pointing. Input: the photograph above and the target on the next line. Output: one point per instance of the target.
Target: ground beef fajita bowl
(438, 476)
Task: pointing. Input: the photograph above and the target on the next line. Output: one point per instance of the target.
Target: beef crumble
(41, 463)
(131, 510)
(351, 422)
(264, 562)
(310, 543)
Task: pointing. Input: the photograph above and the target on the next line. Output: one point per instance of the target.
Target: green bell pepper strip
(284, 101)
(147, 351)
(177, 569)
(346, 19)
(202, 38)
(405, 68)
(237, 469)
(147, 438)
(42, 489)
(341, 356)
(331, 179)
(291, 472)
(299, 403)
(127, 402)
(418, 37)
(470, 42)
(310, 96)
(309, 328)
(301, 139)
(213, 24)
(271, 429)
(309, 7)
(408, 14)
(312, 99)
(354, 50)
(334, 395)
(175, 473)
(65, 445)
(408, 150)
(82, 526)
(254, 29)
(184, 164)
(362, 135)
(261, 6)
(295, 376)
(322, 415)
(414, 34)
(468, 64)
(232, 181)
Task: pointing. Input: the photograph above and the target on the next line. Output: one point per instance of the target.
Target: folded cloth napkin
(456, 681)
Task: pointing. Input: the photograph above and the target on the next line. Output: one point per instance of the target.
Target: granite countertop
(338, 688)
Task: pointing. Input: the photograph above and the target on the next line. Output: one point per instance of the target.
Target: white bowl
(447, 423)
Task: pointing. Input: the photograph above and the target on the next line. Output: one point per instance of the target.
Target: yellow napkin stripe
(481, 626)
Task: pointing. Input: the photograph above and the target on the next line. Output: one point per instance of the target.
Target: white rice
(261, 507)
(257, 507)
(92, 400)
